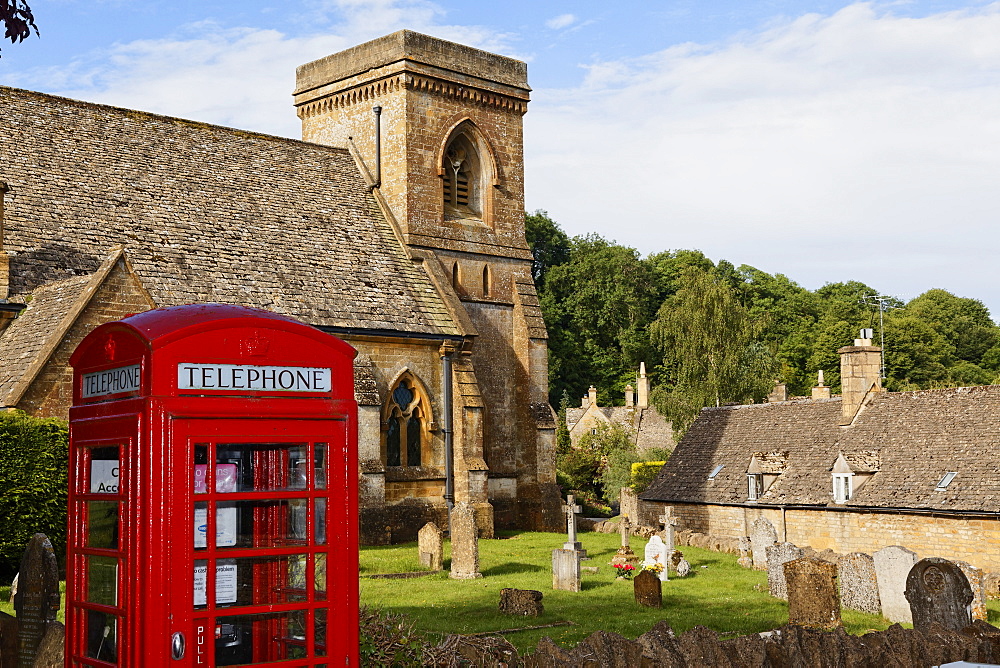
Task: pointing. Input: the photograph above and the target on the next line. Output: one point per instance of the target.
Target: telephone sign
(213, 493)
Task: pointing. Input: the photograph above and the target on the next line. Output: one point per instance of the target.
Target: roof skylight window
(945, 481)
(715, 471)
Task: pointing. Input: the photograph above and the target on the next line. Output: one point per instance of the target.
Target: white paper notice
(103, 476)
(225, 582)
(225, 527)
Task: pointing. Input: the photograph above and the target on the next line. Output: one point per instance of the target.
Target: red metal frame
(277, 436)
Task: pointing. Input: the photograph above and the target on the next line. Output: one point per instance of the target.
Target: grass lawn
(718, 594)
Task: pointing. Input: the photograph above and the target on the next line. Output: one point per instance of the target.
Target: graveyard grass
(717, 594)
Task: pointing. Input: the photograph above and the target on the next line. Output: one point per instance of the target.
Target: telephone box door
(267, 553)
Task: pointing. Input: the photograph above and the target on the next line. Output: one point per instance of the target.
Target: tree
(17, 19)
(713, 350)
(549, 244)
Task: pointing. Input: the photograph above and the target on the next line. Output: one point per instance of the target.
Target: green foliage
(33, 477)
(644, 473)
(388, 639)
(549, 244)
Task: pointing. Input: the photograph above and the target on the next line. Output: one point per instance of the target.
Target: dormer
(763, 470)
(851, 471)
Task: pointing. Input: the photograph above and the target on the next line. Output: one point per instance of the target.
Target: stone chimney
(4, 260)
(592, 396)
(820, 391)
(642, 400)
(860, 373)
(629, 396)
(779, 393)
(585, 401)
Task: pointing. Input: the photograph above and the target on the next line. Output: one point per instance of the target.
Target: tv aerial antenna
(883, 302)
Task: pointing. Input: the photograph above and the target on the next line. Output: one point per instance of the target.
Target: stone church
(396, 224)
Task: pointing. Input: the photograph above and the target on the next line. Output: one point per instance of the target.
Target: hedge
(33, 480)
(643, 474)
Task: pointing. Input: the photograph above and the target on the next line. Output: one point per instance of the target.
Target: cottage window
(404, 425)
(843, 487)
(755, 486)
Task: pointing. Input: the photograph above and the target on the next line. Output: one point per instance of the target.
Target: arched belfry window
(466, 171)
(456, 276)
(486, 280)
(405, 424)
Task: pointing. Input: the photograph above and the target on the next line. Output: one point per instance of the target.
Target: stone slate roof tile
(911, 439)
(207, 214)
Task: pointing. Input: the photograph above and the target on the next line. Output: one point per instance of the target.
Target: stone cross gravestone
(656, 553)
(648, 589)
(464, 543)
(566, 570)
(938, 591)
(668, 521)
(624, 555)
(762, 536)
(892, 565)
(429, 545)
(858, 584)
(571, 509)
(625, 530)
(777, 556)
(978, 583)
(812, 593)
(37, 599)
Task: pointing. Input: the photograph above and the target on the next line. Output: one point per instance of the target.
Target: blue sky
(828, 141)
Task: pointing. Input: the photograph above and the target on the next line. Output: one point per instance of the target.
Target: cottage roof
(906, 441)
(206, 213)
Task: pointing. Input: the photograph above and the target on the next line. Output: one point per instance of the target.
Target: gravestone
(566, 570)
(51, 651)
(624, 555)
(812, 593)
(938, 591)
(668, 521)
(892, 565)
(648, 589)
(37, 599)
(571, 509)
(429, 545)
(526, 602)
(628, 504)
(8, 641)
(762, 536)
(464, 543)
(683, 568)
(675, 558)
(746, 557)
(777, 556)
(977, 582)
(858, 584)
(656, 553)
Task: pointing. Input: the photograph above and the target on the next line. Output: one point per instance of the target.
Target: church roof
(207, 214)
(905, 441)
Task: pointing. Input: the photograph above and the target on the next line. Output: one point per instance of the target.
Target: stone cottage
(853, 473)
(396, 224)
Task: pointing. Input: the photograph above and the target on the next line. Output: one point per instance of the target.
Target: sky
(826, 141)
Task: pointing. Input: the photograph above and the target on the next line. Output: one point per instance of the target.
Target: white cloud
(560, 22)
(857, 146)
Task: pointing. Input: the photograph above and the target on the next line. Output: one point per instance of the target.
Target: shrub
(388, 639)
(33, 477)
(643, 473)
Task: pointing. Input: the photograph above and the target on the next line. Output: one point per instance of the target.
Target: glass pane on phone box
(102, 635)
(320, 630)
(258, 580)
(102, 524)
(256, 523)
(319, 470)
(282, 635)
(102, 580)
(265, 466)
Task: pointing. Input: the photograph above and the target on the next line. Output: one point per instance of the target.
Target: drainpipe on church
(378, 146)
(449, 455)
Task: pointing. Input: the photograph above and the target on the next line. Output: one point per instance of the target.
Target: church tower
(437, 130)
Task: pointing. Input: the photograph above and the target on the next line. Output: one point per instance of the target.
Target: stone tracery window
(404, 426)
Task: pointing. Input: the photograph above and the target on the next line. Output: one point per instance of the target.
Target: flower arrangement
(656, 568)
(625, 571)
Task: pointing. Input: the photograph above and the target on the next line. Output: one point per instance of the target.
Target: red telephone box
(213, 493)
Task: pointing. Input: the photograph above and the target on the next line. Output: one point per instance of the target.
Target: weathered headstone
(656, 553)
(683, 568)
(648, 589)
(762, 536)
(51, 651)
(429, 545)
(812, 593)
(571, 509)
(746, 557)
(977, 582)
(566, 570)
(8, 641)
(858, 584)
(892, 565)
(938, 591)
(628, 504)
(37, 599)
(668, 521)
(527, 602)
(777, 556)
(624, 555)
(464, 543)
